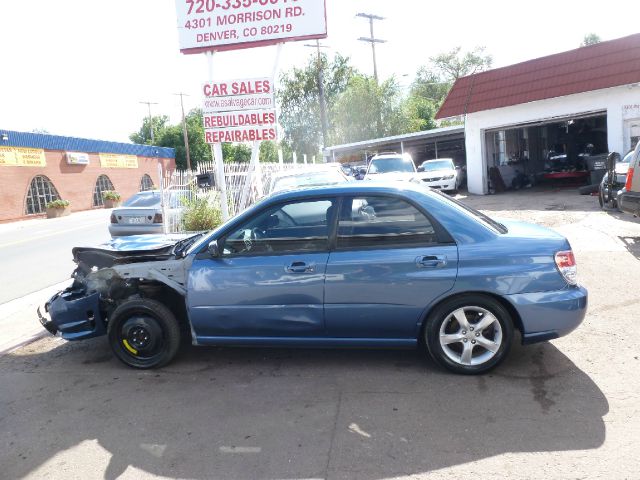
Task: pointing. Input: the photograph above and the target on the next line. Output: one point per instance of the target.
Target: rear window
(143, 199)
(497, 226)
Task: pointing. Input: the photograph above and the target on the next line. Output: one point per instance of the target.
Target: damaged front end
(150, 266)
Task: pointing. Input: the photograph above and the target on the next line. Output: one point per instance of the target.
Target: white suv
(391, 166)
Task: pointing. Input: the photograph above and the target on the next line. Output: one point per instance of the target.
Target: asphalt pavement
(565, 409)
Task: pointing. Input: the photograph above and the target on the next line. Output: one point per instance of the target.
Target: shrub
(58, 203)
(200, 214)
(110, 195)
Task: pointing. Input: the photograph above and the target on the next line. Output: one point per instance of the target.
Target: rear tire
(469, 334)
(143, 333)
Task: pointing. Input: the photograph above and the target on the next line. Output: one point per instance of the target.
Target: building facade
(38, 168)
(545, 118)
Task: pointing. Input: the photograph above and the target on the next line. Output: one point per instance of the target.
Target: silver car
(142, 213)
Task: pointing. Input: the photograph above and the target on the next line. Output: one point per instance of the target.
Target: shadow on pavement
(632, 244)
(263, 413)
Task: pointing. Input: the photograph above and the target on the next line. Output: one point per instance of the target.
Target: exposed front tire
(469, 334)
(143, 333)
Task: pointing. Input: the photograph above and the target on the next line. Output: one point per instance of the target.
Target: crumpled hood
(131, 249)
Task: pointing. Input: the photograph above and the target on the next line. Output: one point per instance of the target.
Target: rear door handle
(300, 267)
(431, 261)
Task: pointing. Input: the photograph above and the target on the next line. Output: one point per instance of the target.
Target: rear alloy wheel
(469, 334)
(143, 333)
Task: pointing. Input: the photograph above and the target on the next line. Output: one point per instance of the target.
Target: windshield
(388, 165)
(437, 165)
(627, 157)
(143, 199)
(312, 179)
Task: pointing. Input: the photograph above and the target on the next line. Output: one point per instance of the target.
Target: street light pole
(323, 104)
(184, 131)
(372, 40)
(148, 104)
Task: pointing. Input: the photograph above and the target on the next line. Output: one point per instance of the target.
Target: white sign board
(241, 134)
(234, 95)
(77, 158)
(208, 25)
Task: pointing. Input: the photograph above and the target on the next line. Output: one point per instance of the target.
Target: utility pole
(148, 104)
(372, 40)
(184, 130)
(323, 104)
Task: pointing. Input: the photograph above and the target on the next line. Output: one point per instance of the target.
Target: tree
(172, 136)
(453, 65)
(143, 136)
(431, 86)
(300, 104)
(590, 39)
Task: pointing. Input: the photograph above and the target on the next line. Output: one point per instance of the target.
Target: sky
(81, 68)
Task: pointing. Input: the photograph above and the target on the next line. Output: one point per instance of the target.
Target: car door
(387, 266)
(268, 280)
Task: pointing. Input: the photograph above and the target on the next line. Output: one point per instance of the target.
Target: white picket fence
(181, 184)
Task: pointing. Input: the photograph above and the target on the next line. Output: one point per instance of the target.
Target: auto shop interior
(562, 150)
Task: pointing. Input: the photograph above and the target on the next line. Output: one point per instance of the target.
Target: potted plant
(111, 198)
(58, 208)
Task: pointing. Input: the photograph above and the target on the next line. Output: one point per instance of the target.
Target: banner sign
(113, 160)
(240, 134)
(22, 157)
(77, 158)
(209, 25)
(253, 118)
(232, 95)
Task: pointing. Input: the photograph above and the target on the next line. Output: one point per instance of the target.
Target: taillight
(157, 218)
(113, 218)
(627, 185)
(566, 263)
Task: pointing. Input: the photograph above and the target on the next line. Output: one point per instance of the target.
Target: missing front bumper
(74, 314)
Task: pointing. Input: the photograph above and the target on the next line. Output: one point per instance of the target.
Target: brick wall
(75, 183)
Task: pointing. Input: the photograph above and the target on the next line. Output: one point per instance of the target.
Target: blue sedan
(355, 265)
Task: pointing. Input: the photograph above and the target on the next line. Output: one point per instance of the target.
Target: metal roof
(72, 144)
(423, 135)
(602, 65)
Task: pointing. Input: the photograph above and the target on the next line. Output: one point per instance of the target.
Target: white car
(440, 174)
(391, 166)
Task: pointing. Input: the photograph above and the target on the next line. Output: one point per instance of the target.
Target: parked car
(629, 198)
(608, 191)
(391, 166)
(288, 180)
(441, 174)
(142, 213)
(360, 264)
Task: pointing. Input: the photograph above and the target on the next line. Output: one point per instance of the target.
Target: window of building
(102, 184)
(146, 183)
(382, 222)
(41, 192)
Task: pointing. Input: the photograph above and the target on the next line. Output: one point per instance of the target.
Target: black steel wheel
(469, 334)
(143, 333)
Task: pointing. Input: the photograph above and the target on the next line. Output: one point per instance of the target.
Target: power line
(371, 39)
(323, 104)
(184, 130)
(148, 104)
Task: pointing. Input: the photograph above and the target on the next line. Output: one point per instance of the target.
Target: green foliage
(200, 214)
(111, 195)
(269, 152)
(429, 85)
(300, 104)
(143, 136)
(58, 203)
(453, 64)
(590, 39)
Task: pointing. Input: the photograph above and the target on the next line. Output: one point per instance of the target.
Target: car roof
(350, 188)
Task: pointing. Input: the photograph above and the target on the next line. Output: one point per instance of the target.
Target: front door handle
(431, 261)
(300, 267)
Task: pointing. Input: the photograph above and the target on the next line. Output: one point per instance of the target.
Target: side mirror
(214, 249)
(421, 168)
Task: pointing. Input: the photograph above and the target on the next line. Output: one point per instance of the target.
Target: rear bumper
(122, 230)
(549, 315)
(73, 314)
(629, 202)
